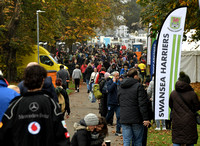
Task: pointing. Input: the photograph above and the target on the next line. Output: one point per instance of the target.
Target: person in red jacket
(83, 68)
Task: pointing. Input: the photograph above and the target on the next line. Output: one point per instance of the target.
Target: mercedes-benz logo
(34, 106)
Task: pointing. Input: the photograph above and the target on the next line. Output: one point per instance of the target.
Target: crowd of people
(34, 112)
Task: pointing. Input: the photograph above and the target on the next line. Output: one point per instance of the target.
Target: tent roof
(190, 53)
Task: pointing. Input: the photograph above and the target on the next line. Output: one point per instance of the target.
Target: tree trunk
(1, 12)
(11, 64)
(10, 53)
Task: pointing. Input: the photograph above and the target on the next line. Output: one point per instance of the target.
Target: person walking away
(113, 104)
(84, 129)
(106, 64)
(88, 73)
(33, 119)
(48, 86)
(133, 109)
(59, 90)
(64, 75)
(76, 76)
(83, 68)
(184, 104)
(142, 67)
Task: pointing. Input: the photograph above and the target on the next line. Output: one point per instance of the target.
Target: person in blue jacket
(112, 101)
(7, 95)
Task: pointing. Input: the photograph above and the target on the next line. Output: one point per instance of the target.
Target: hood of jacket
(128, 82)
(3, 83)
(182, 86)
(47, 82)
(80, 125)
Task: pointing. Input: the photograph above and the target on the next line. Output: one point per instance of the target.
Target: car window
(46, 60)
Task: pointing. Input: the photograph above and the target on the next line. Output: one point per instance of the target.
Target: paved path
(81, 106)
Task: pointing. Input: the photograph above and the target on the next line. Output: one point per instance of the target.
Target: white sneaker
(157, 128)
(164, 128)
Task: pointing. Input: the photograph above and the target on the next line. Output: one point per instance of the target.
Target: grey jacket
(76, 74)
(64, 75)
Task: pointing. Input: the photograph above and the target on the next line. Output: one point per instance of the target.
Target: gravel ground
(81, 106)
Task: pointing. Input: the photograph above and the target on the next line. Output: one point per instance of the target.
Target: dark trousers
(168, 124)
(67, 85)
(144, 138)
(77, 83)
(110, 114)
(84, 80)
(103, 107)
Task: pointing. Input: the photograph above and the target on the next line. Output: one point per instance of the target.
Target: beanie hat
(183, 77)
(91, 119)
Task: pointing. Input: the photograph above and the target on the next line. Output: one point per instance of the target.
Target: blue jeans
(134, 133)
(174, 144)
(110, 114)
(88, 85)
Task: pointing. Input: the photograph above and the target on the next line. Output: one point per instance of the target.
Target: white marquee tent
(190, 58)
(190, 64)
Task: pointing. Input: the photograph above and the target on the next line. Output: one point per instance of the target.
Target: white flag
(168, 59)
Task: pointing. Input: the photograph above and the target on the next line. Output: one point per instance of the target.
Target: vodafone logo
(34, 128)
(67, 134)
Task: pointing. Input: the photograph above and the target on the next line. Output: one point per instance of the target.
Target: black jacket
(133, 102)
(184, 127)
(82, 137)
(33, 119)
(112, 92)
(88, 72)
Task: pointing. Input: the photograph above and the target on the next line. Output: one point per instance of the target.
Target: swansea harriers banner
(168, 59)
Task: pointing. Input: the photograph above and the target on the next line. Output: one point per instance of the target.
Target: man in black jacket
(47, 86)
(133, 109)
(33, 119)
